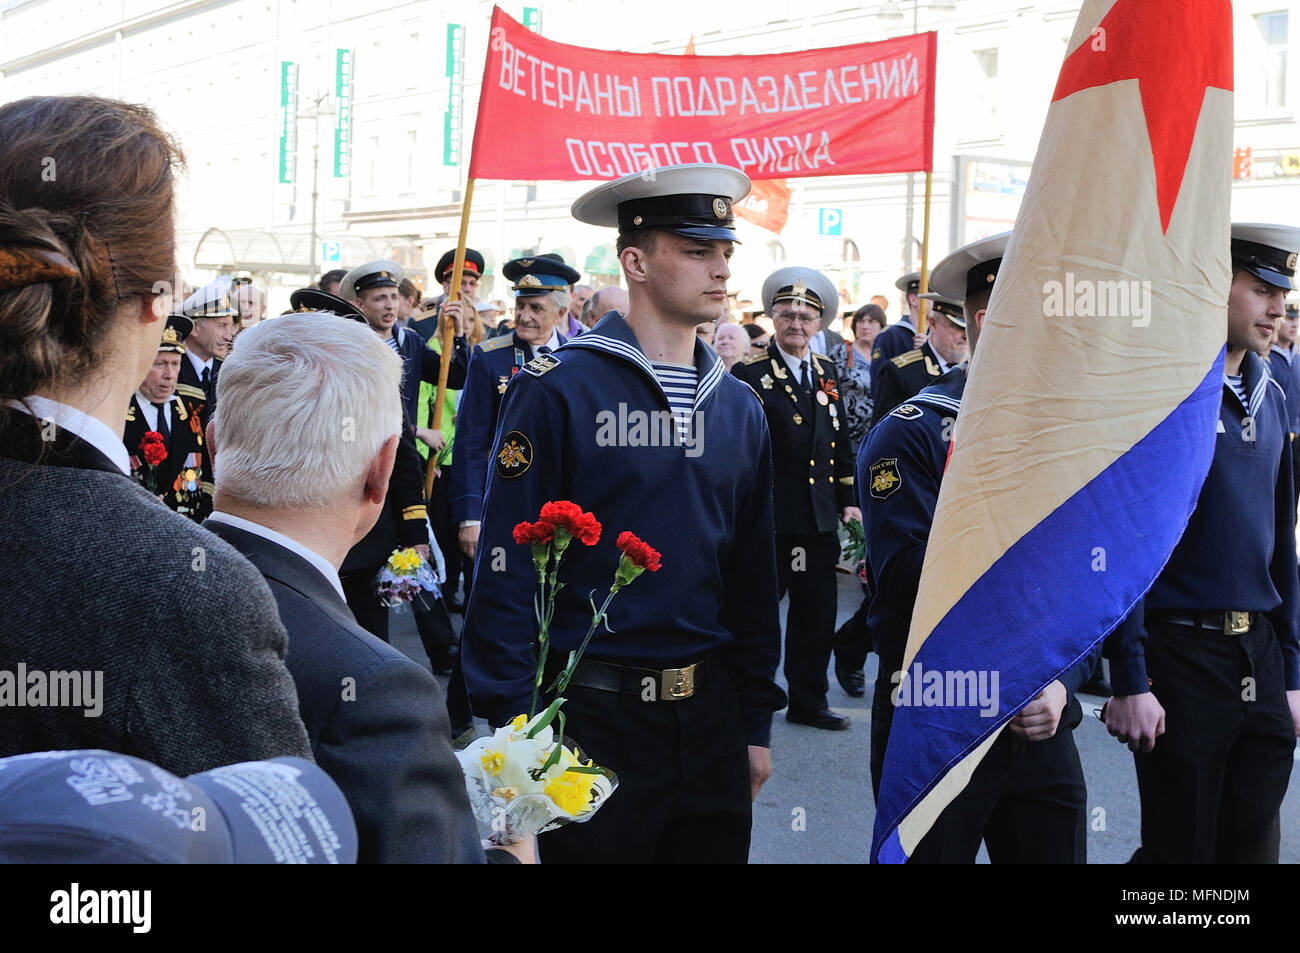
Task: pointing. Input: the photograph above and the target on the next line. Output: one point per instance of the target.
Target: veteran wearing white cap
(213, 312)
(679, 700)
(813, 478)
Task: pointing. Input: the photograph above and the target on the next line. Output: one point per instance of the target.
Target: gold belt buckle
(677, 683)
(1236, 622)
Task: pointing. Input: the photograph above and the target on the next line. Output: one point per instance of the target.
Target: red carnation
(539, 532)
(641, 553)
(152, 448)
(568, 520)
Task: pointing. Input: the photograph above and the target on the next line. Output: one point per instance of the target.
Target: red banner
(552, 111)
(766, 205)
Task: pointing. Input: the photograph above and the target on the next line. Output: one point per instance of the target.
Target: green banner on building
(451, 121)
(288, 121)
(343, 121)
(533, 18)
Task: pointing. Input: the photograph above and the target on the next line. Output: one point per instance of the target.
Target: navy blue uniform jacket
(421, 363)
(1239, 550)
(491, 367)
(383, 736)
(562, 437)
(901, 463)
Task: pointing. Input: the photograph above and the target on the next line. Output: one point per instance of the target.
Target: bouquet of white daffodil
(523, 780)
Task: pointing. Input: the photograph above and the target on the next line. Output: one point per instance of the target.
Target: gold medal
(821, 398)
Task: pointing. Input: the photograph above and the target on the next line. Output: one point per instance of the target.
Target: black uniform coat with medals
(189, 386)
(813, 468)
(902, 378)
(186, 450)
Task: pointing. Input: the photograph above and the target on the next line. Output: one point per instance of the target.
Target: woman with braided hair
(171, 638)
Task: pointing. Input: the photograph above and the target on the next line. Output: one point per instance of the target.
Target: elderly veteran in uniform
(678, 700)
(1206, 668)
(213, 312)
(426, 325)
(541, 287)
(1027, 799)
(944, 348)
(813, 480)
(401, 523)
(183, 478)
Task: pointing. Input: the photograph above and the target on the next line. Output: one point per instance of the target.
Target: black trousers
(1026, 800)
(852, 640)
(358, 590)
(446, 532)
(805, 565)
(683, 778)
(1213, 785)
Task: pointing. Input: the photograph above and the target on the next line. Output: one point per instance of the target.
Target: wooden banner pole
(449, 332)
(922, 311)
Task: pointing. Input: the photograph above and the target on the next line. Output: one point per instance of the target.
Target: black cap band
(981, 277)
(675, 211)
(1265, 262)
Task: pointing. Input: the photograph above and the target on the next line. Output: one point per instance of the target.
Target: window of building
(987, 61)
(1273, 29)
(411, 152)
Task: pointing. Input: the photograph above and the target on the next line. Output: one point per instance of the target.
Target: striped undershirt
(1234, 383)
(392, 342)
(679, 383)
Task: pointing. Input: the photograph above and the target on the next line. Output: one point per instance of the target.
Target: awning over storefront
(268, 252)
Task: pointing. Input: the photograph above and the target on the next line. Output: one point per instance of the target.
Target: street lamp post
(318, 109)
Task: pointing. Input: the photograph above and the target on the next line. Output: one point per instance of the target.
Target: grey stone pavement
(826, 774)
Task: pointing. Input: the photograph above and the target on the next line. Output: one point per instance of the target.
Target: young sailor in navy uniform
(901, 377)
(1026, 799)
(401, 523)
(541, 287)
(1206, 669)
(813, 479)
(678, 699)
(184, 477)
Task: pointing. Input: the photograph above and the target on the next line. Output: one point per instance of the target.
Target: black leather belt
(1232, 622)
(649, 684)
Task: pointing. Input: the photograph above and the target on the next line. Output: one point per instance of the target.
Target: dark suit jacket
(811, 462)
(901, 378)
(97, 576)
(187, 448)
(377, 721)
(189, 386)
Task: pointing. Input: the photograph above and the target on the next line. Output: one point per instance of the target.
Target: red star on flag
(1174, 49)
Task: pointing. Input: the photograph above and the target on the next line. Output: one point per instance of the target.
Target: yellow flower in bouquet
(404, 561)
(571, 790)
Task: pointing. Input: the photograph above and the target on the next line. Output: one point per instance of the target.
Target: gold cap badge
(720, 208)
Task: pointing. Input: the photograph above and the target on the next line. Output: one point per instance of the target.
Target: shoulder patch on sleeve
(908, 357)
(542, 364)
(885, 478)
(906, 412)
(514, 456)
(496, 343)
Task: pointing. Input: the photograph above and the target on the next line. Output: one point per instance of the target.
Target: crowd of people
(297, 453)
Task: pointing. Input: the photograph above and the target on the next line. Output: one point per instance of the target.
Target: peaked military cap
(211, 301)
(381, 273)
(533, 277)
(313, 299)
(178, 328)
(971, 268)
(446, 264)
(803, 285)
(910, 282)
(1268, 252)
(950, 308)
(693, 200)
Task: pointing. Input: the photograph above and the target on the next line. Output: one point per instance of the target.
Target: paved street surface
(826, 775)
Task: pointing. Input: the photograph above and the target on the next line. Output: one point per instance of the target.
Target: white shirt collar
(90, 429)
(552, 342)
(150, 413)
(944, 366)
(323, 565)
(793, 362)
(198, 363)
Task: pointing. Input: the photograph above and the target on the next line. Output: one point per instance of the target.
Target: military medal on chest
(504, 381)
(766, 381)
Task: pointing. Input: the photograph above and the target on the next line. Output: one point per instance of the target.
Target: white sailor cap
(692, 200)
(380, 273)
(950, 308)
(804, 285)
(970, 269)
(211, 301)
(1268, 252)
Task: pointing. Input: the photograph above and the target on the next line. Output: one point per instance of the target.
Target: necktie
(207, 383)
(162, 422)
(804, 382)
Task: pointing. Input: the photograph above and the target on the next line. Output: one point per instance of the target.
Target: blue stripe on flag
(1010, 619)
